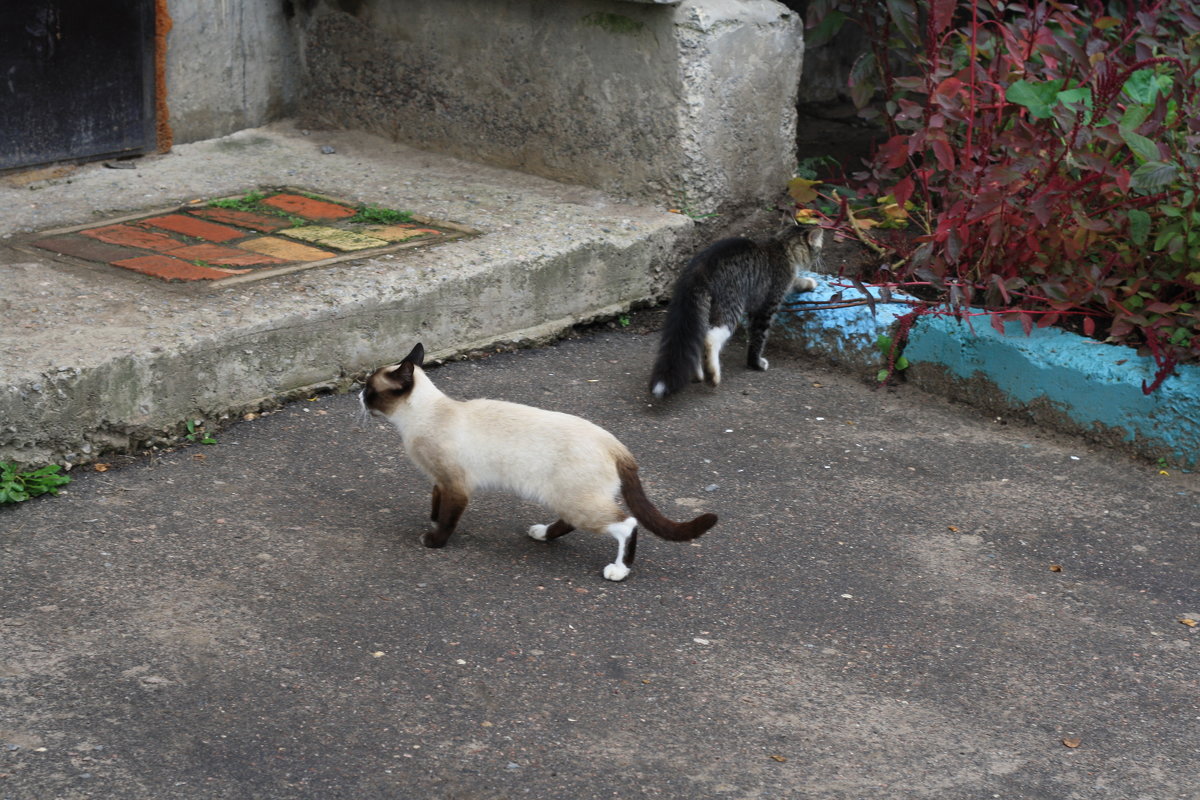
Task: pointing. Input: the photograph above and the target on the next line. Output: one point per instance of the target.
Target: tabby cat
(730, 280)
(558, 460)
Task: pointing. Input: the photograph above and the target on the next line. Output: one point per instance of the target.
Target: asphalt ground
(903, 598)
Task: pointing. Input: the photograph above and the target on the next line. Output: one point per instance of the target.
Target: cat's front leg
(544, 533)
(449, 504)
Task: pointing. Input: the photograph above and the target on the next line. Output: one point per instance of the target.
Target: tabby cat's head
(803, 244)
(388, 387)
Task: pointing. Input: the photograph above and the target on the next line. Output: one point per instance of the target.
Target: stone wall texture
(689, 104)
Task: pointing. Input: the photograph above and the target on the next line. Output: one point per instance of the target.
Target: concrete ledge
(689, 103)
(1051, 377)
(92, 360)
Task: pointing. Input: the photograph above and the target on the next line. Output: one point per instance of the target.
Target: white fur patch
(714, 340)
(804, 284)
(538, 532)
(763, 363)
(617, 571)
(659, 390)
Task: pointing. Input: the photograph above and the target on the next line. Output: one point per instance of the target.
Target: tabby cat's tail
(682, 343)
(649, 516)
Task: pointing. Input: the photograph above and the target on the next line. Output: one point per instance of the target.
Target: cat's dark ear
(404, 373)
(417, 356)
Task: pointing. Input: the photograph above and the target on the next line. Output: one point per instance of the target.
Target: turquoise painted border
(1092, 383)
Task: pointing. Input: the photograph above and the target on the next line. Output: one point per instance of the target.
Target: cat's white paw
(763, 363)
(616, 572)
(804, 284)
(538, 532)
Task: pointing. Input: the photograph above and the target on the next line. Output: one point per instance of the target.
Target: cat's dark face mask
(387, 387)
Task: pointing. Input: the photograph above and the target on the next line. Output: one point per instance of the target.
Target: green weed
(17, 486)
(380, 216)
(195, 432)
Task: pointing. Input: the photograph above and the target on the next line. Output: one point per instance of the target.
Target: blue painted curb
(1098, 387)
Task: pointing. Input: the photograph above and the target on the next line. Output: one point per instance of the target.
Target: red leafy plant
(1046, 156)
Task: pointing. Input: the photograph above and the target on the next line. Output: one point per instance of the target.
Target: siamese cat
(731, 279)
(561, 461)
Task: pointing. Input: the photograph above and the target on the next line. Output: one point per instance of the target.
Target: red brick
(308, 208)
(243, 219)
(172, 269)
(135, 237)
(87, 249)
(190, 226)
(227, 256)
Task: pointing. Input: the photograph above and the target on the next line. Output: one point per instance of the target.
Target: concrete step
(95, 358)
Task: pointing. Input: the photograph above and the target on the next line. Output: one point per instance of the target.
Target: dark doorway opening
(77, 80)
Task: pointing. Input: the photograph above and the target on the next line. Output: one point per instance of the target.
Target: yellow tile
(334, 237)
(282, 248)
(399, 233)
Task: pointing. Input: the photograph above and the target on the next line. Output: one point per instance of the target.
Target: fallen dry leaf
(780, 759)
(1191, 623)
(1072, 741)
(1055, 568)
(952, 528)
(100, 467)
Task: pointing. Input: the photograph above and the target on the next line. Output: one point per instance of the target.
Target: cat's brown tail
(649, 516)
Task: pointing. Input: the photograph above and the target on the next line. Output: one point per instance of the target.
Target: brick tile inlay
(135, 237)
(198, 228)
(220, 239)
(172, 269)
(308, 208)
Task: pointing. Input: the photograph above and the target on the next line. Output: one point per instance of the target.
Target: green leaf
(1039, 98)
(1134, 116)
(1141, 86)
(1153, 176)
(901, 363)
(829, 26)
(862, 79)
(881, 376)
(904, 15)
(1080, 94)
(1139, 226)
(1166, 237)
(1143, 148)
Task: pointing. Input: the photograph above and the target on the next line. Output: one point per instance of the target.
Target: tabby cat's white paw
(763, 363)
(538, 532)
(805, 284)
(616, 572)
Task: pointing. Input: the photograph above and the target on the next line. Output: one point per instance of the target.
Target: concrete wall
(231, 64)
(688, 105)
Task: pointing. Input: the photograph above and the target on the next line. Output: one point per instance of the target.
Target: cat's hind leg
(625, 532)
(449, 502)
(544, 533)
(757, 329)
(714, 340)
